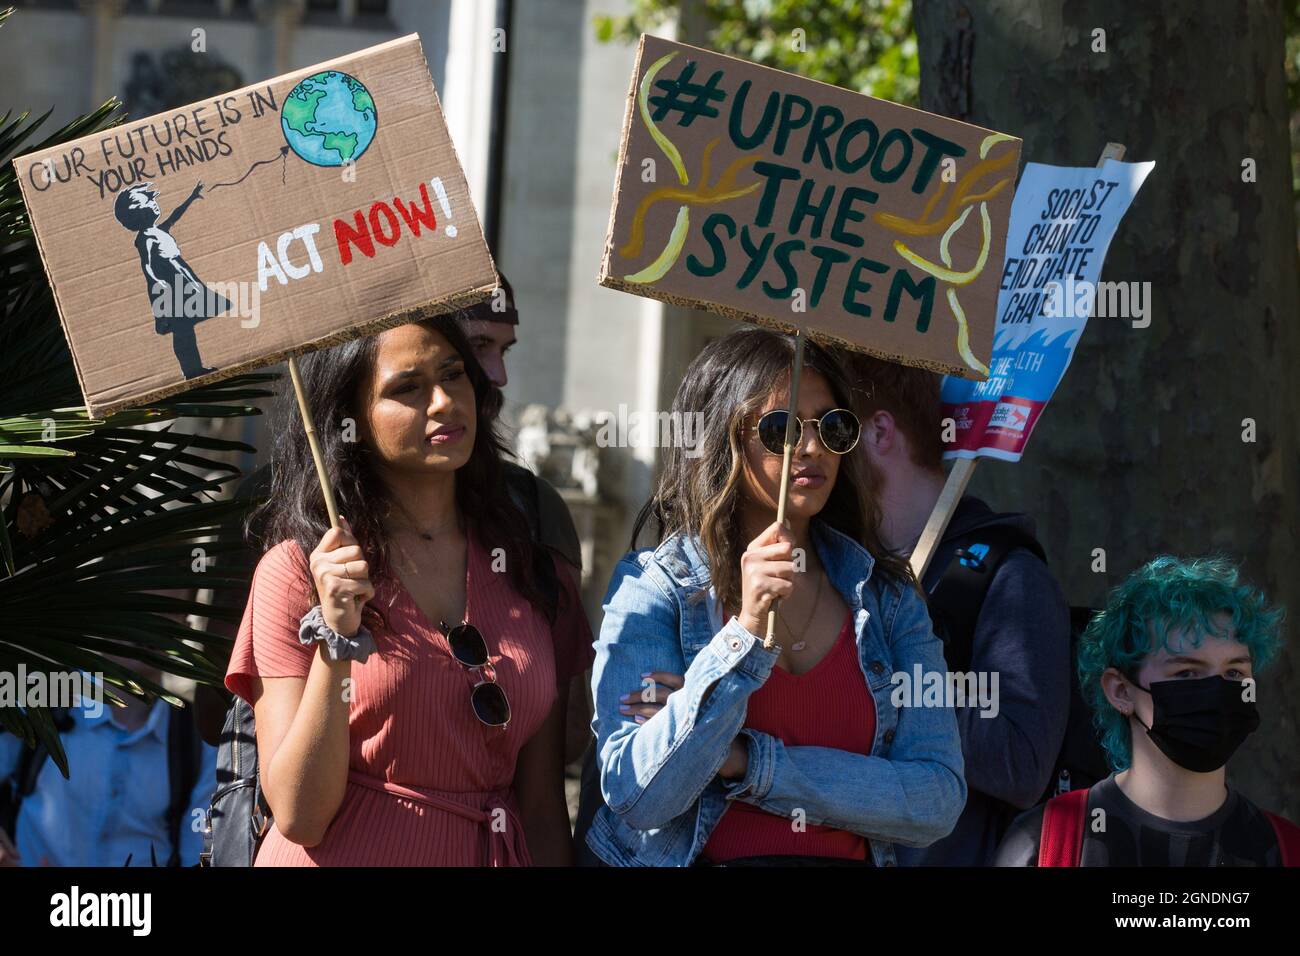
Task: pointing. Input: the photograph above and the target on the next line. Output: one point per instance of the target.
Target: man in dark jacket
(1020, 638)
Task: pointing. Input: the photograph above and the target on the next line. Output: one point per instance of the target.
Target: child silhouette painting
(179, 299)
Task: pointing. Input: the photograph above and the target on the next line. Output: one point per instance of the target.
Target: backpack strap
(184, 756)
(548, 516)
(555, 524)
(1060, 842)
(522, 485)
(525, 491)
(21, 783)
(1288, 838)
(958, 595)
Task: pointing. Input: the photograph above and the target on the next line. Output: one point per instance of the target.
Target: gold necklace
(801, 643)
(426, 535)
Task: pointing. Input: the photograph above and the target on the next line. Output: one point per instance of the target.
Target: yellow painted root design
(950, 222)
(963, 334)
(664, 142)
(702, 195)
(989, 141)
(919, 227)
(659, 268)
(947, 274)
(956, 278)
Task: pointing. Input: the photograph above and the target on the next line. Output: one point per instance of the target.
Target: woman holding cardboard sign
(407, 670)
(713, 749)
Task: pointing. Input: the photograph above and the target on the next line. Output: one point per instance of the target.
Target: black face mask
(1199, 724)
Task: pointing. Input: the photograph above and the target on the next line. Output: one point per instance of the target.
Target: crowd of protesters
(417, 673)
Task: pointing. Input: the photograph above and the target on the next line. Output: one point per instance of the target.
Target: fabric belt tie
(508, 848)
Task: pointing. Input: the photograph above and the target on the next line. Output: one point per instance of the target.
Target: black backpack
(184, 758)
(955, 603)
(239, 815)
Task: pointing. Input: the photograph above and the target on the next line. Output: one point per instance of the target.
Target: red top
(428, 784)
(829, 706)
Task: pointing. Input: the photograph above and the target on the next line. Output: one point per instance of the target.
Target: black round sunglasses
(486, 698)
(838, 429)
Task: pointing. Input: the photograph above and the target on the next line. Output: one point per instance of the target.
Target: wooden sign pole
(963, 468)
(796, 368)
(317, 457)
(953, 489)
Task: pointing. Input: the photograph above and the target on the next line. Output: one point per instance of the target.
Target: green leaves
(864, 45)
(26, 435)
(105, 546)
(38, 366)
(1291, 63)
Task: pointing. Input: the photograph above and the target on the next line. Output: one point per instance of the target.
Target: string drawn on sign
(283, 157)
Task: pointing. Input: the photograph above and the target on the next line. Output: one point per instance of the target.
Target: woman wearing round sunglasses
(407, 670)
(714, 750)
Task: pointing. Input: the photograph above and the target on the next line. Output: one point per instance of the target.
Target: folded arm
(911, 797)
(655, 771)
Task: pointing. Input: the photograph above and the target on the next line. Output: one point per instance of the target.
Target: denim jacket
(659, 780)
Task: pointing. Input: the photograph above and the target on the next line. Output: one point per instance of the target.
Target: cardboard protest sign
(764, 196)
(1062, 222)
(321, 205)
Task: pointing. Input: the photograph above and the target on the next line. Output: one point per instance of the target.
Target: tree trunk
(1142, 449)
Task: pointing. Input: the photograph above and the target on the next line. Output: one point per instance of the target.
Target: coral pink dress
(428, 784)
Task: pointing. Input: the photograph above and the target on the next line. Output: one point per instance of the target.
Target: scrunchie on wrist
(313, 628)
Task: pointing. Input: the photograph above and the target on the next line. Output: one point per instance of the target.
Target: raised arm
(180, 210)
(299, 704)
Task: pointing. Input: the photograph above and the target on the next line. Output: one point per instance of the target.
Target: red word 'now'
(383, 226)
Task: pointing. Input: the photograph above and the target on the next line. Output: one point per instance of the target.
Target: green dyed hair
(1168, 594)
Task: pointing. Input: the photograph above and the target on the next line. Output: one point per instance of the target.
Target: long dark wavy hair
(700, 496)
(335, 381)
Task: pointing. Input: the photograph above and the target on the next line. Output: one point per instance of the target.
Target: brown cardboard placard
(332, 205)
(768, 197)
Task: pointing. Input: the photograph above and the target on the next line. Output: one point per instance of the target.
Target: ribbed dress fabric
(428, 783)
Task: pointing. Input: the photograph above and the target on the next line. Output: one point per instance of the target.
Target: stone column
(279, 19)
(103, 16)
